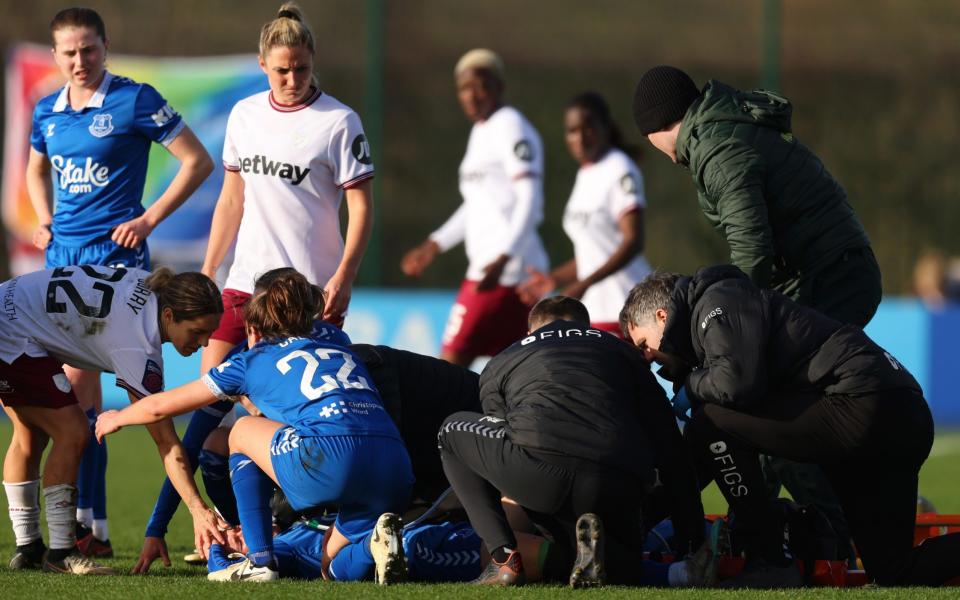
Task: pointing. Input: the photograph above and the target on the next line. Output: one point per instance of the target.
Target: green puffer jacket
(784, 216)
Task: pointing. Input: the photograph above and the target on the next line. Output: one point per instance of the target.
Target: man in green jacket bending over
(786, 219)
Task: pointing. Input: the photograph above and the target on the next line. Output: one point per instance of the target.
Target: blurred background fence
(874, 87)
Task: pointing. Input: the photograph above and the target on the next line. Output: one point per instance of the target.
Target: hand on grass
(153, 548)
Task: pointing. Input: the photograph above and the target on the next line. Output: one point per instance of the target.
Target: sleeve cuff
(214, 388)
(442, 243)
(357, 180)
(172, 134)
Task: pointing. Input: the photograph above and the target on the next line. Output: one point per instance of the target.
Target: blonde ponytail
(289, 30)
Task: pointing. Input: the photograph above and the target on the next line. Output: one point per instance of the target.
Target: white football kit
(500, 150)
(90, 317)
(295, 162)
(603, 192)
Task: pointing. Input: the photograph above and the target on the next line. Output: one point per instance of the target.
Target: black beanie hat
(663, 96)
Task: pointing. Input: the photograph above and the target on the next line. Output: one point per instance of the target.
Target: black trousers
(848, 290)
(871, 448)
(482, 465)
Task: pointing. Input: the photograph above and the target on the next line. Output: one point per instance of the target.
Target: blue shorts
(364, 476)
(298, 551)
(107, 254)
(448, 551)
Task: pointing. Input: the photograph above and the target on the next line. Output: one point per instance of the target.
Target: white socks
(61, 506)
(85, 517)
(24, 508)
(100, 530)
(60, 502)
(99, 526)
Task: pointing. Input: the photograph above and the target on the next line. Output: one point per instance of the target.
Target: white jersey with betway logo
(500, 150)
(295, 162)
(603, 193)
(89, 317)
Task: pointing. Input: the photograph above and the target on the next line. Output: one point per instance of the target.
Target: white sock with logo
(60, 502)
(85, 517)
(100, 530)
(23, 501)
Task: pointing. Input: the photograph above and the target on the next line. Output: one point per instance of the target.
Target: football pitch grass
(134, 477)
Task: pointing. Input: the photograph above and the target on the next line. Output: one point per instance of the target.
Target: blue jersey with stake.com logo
(98, 154)
(320, 389)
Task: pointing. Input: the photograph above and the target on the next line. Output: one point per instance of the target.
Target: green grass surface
(135, 474)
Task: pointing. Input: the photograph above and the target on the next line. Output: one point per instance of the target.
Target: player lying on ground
(102, 319)
(324, 438)
(441, 546)
(763, 374)
(436, 552)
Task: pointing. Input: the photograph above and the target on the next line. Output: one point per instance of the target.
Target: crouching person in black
(419, 392)
(573, 425)
(762, 374)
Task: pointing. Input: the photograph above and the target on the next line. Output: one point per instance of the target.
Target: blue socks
(216, 480)
(99, 480)
(217, 558)
(353, 562)
(92, 478)
(253, 490)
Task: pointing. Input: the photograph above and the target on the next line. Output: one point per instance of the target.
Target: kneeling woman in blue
(324, 438)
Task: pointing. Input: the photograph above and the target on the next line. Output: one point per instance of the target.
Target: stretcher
(836, 573)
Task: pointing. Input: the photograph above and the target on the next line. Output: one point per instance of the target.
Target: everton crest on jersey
(102, 125)
(99, 153)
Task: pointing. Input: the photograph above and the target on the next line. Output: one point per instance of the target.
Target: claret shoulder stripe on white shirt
(357, 180)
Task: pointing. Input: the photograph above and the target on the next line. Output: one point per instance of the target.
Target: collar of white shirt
(95, 101)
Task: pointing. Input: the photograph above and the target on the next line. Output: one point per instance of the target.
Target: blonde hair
(481, 58)
(288, 30)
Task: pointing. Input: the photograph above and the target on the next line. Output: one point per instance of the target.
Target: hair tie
(288, 14)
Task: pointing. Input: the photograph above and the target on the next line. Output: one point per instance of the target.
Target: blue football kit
(447, 551)
(436, 552)
(339, 446)
(212, 465)
(98, 156)
(316, 387)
